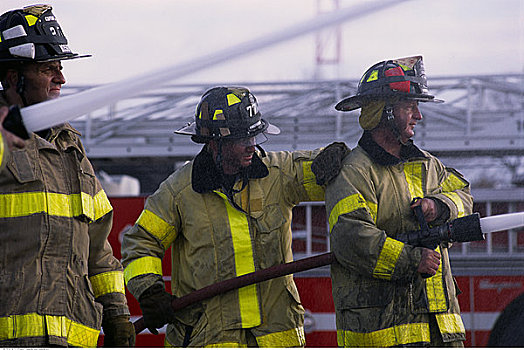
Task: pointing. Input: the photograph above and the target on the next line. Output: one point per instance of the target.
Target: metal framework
(482, 115)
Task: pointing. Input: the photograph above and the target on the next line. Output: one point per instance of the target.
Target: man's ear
(11, 78)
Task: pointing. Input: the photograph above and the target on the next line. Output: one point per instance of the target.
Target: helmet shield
(403, 78)
(229, 113)
(33, 34)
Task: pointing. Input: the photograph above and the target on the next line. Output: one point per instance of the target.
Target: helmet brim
(190, 129)
(50, 59)
(357, 101)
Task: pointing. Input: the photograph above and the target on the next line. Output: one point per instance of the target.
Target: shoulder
(358, 159)
(178, 181)
(276, 159)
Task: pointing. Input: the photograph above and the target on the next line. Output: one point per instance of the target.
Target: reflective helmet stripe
(31, 20)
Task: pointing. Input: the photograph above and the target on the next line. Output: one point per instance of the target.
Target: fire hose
(245, 280)
(465, 229)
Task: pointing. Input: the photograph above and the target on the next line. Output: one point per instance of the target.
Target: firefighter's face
(43, 81)
(237, 154)
(407, 115)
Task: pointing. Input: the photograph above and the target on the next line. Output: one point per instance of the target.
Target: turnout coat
(380, 299)
(58, 275)
(216, 236)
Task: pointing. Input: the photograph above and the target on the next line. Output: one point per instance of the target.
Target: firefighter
(59, 280)
(225, 214)
(381, 296)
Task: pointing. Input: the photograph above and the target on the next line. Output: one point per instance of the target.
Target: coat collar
(379, 154)
(205, 176)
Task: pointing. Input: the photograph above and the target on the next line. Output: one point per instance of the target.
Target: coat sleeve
(299, 181)
(105, 271)
(358, 244)
(144, 245)
(454, 193)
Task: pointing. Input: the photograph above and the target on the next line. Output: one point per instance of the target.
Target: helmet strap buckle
(390, 120)
(388, 110)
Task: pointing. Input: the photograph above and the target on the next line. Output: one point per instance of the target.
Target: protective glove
(119, 332)
(328, 163)
(155, 303)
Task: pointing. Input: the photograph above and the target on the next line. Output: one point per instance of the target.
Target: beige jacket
(57, 271)
(380, 299)
(214, 238)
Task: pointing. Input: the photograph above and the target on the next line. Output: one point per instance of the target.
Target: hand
(328, 163)
(429, 262)
(155, 303)
(429, 208)
(119, 332)
(11, 139)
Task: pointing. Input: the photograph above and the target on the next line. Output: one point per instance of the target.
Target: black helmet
(402, 78)
(33, 34)
(227, 113)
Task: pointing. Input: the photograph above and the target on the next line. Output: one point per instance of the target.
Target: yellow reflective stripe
(404, 67)
(373, 76)
(232, 99)
(291, 338)
(455, 198)
(449, 186)
(101, 204)
(435, 291)
(108, 282)
(223, 345)
(34, 325)
(314, 191)
(142, 266)
(217, 113)
(54, 204)
(388, 258)
(346, 205)
(450, 323)
(397, 335)
(452, 183)
(1, 144)
(372, 207)
(244, 264)
(156, 226)
(31, 20)
(86, 205)
(413, 173)
(24, 204)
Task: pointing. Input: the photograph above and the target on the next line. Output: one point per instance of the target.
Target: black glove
(328, 162)
(119, 332)
(155, 303)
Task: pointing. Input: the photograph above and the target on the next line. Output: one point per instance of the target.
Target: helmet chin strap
(390, 121)
(218, 159)
(20, 87)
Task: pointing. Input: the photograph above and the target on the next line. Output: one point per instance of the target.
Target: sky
(129, 38)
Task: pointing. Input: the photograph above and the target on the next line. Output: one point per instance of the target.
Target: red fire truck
(490, 273)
